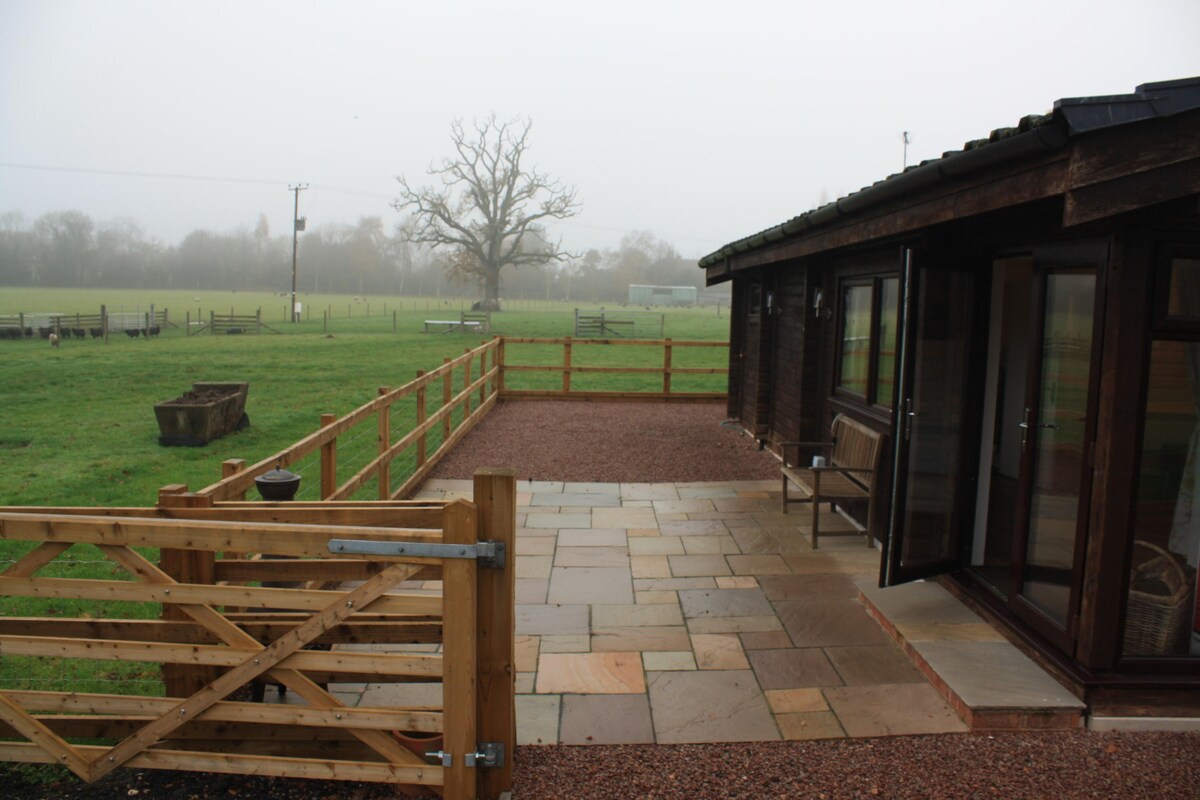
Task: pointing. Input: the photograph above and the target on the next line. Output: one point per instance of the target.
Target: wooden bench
(848, 476)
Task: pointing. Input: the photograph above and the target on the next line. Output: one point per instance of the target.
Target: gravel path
(610, 443)
(613, 442)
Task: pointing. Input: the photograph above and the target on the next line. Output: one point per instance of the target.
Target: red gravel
(610, 443)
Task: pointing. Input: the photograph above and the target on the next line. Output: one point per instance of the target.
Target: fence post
(328, 460)
(667, 367)
(258, 320)
(566, 382)
(483, 368)
(467, 385)
(422, 440)
(500, 365)
(212, 321)
(104, 321)
(185, 566)
(496, 500)
(460, 654)
(447, 391)
(385, 441)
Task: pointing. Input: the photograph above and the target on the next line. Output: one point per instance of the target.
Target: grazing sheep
(155, 330)
(96, 332)
(45, 332)
(79, 333)
(132, 333)
(53, 337)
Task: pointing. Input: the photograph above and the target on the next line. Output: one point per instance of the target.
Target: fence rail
(251, 617)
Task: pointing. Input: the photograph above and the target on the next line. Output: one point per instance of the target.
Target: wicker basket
(1157, 621)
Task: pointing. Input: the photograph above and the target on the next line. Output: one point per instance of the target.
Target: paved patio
(675, 613)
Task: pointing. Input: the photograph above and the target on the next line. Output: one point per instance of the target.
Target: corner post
(185, 566)
(566, 381)
(459, 593)
(666, 366)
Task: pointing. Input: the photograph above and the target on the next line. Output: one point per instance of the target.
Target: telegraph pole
(907, 140)
(297, 226)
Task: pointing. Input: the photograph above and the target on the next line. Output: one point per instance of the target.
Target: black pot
(278, 484)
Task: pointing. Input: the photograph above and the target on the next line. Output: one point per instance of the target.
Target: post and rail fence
(232, 614)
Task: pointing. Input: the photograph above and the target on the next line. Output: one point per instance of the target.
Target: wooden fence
(664, 388)
(409, 429)
(248, 616)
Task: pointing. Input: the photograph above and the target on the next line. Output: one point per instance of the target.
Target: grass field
(79, 426)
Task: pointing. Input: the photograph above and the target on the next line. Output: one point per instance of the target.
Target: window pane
(856, 338)
(885, 355)
(1183, 302)
(1161, 615)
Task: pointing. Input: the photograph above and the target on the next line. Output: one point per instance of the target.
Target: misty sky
(699, 121)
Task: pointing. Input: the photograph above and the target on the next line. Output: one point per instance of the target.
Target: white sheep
(54, 340)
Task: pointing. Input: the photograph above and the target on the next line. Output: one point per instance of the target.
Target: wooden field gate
(304, 595)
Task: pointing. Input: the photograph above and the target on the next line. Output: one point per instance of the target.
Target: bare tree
(487, 206)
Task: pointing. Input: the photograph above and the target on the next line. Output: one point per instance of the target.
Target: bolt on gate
(317, 617)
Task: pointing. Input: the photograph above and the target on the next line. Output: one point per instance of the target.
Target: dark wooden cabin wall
(786, 403)
(737, 346)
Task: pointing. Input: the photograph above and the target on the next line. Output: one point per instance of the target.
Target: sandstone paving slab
(566, 643)
(799, 668)
(641, 639)
(672, 584)
(590, 673)
(698, 566)
(693, 527)
(706, 492)
(576, 487)
(766, 640)
(536, 545)
(537, 718)
(796, 701)
(590, 585)
(742, 504)
(669, 661)
(592, 719)
(575, 499)
(797, 587)
(893, 710)
(656, 546)
(734, 624)
(591, 557)
(649, 491)
(711, 706)
(829, 623)
(524, 682)
(873, 664)
(556, 520)
(592, 537)
(758, 565)
(532, 591)
(681, 506)
(737, 582)
(534, 566)
(540, 486)
(545, 619)
(618, 616)
(809, 726)
(719, 651)
(709, 545)
(650, 566)
(699, 603)
(624, 517)
(525, 652)
(655, 597)
(762, 541)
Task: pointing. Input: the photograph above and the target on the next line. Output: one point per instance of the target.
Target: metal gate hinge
(487, 754)
(488, 554)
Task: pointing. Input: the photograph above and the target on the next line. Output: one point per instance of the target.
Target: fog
(700, 122)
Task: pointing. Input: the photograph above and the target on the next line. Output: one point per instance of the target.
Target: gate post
(185, 566)
(328, 460)
(496, 498)
(460, 654)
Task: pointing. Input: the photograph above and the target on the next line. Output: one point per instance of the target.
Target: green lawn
(79, 425)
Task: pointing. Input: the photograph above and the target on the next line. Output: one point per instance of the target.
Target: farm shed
(1020, 319)
(641, 295)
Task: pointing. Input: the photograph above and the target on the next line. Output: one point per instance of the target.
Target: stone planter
(207, 412)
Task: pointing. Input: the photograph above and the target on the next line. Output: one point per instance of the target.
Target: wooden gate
(279, 606)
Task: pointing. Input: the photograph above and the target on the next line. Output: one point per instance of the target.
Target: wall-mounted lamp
(819, 309)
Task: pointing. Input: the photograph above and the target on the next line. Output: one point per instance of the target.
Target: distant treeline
(70, 249)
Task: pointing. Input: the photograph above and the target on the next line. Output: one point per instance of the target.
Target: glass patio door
(934, 420)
